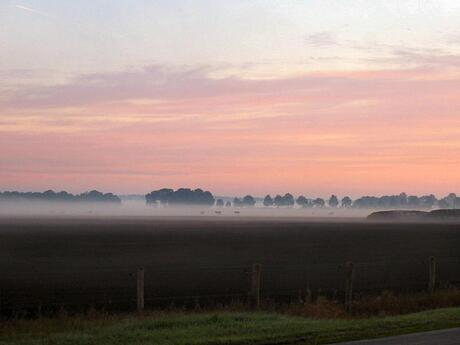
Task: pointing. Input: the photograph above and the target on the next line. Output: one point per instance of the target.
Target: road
(443, 337)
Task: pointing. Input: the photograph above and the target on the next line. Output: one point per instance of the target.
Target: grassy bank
(216, 328)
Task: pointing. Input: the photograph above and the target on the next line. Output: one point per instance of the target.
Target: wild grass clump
(387, 303)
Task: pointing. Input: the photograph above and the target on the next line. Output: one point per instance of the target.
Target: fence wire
(113, 287)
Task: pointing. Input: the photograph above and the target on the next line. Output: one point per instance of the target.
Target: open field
(217, 328)
(80, 262)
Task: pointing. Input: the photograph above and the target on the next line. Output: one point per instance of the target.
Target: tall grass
(386, 304)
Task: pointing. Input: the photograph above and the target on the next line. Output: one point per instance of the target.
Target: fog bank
(135, 207)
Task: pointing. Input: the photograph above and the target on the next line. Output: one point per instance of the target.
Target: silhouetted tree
(456, 203)
(248, 201)
(228, 204)
(413, 201)
(318, 202)
(286, 200)
(346, 202)
(427, 201)
(289, 199)
(64, 196)
(278, 201)
(366, 202)
(268, 201)
(182, 196)
(392, 201)
(220, 203)
(96, 196)
(302, 201)
(452, 200)
(333, 201)
(397, 201)
(402, 200)
(237, 202)
(443, 203)
(51, 196)
(159, 196)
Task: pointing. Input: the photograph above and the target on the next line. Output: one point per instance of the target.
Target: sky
(309, 97)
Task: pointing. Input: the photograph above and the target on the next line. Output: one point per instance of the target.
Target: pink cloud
(350, 132)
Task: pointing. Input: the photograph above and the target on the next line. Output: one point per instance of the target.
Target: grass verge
(216, 328)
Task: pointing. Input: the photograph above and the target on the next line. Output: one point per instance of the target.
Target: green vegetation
(216, 328)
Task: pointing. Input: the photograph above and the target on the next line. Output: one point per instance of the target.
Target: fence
(152, 286)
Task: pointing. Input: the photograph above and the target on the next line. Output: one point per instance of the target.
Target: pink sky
(312, 98)
(317, 133)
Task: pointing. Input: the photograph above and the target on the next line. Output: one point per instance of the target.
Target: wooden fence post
(309, 294)
(349, 275)
(140, 290)
(432, 275)
(255, 285)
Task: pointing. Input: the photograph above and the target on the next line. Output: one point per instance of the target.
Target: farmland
(79, 262)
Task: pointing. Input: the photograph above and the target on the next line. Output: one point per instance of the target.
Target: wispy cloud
(321, 39)
(32, 10)
(351, 128)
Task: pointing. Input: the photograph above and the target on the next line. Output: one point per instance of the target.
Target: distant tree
(457, 203)
(413, 201)
(186, 196)
(220, 203)
(288, 200)
(237, 202)
(346, 202)
(443, 203)
(96, 196)
(228, 204)
(159, 196)
(367, 202)
(268, 201)
(64, 196)
(182, 196)
(451, 199)
(398, 201)
(302, 201)
(318, 202)
(428, 201)
(248, 201)
(402, 199)
(333, 201)
(278, 201)
(51, 196)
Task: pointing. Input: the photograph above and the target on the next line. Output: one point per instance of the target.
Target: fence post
(140, 290)
(309, 296)
(349, 275)
(255, 285)
(432, 275)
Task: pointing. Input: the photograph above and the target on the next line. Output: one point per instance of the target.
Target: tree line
(387, 201)
(187, 196)
(182, 196)
(52, 196)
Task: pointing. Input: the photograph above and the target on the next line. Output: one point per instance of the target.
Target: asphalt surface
(443, 337)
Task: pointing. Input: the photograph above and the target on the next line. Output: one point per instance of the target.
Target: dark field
(76, 263)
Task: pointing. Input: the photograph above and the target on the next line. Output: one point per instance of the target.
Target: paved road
(444, 337)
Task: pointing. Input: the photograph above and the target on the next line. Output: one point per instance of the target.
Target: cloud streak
(362, 130)
(321, 39)
(29, 9)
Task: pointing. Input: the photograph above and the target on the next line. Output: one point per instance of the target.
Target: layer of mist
(133, 207)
